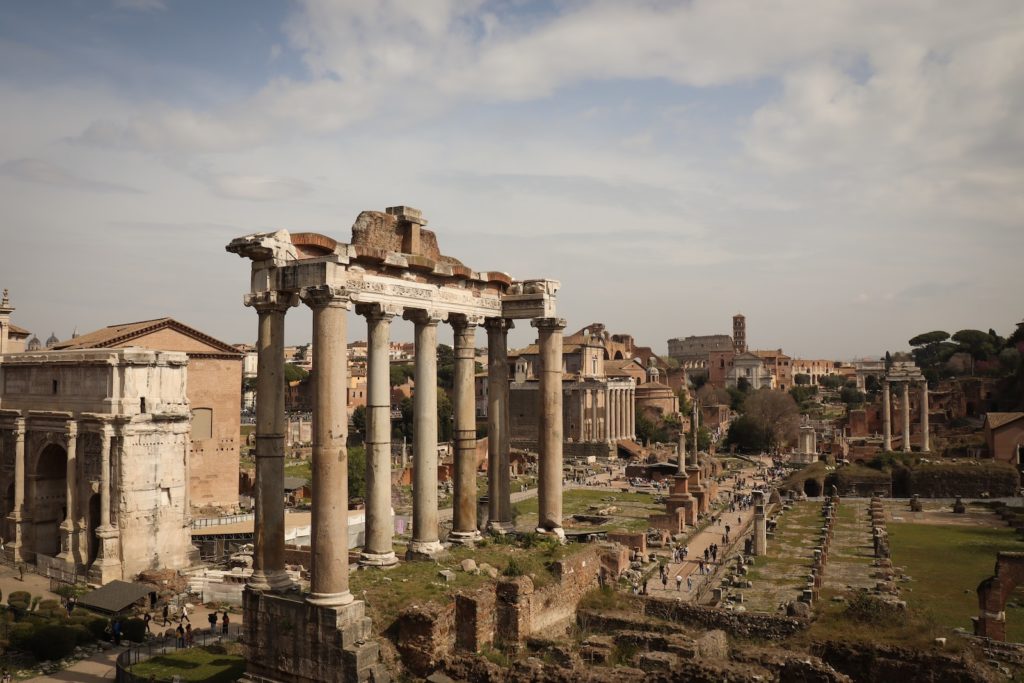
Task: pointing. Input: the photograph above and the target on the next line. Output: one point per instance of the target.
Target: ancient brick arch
(993, 593)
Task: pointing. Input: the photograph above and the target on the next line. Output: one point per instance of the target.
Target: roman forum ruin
(903, 374)
(392, 267)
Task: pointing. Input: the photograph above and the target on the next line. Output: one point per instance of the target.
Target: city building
(1004, 434)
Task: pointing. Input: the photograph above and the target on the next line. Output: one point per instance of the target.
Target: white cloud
(47, 173)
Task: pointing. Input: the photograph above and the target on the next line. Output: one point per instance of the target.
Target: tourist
(71, 603)
(664, 581)
(116, 629)
(166, 610)
(224, 623)
(6, 678)
(689, 584)
(212, 618)
(679, 582)
(184, 614)
(189, 636)
(146, 619)
(180, 632)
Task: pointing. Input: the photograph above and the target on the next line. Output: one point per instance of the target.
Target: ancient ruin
(393, 266)
(904, 374)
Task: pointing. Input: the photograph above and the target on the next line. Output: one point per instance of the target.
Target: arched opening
(8, 509)
(94, 523)
(49, 498)
(618, 355)
(812, 487)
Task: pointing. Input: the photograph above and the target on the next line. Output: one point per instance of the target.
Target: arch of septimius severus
(392, 267)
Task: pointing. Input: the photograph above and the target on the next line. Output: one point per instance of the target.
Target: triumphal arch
(392, 267)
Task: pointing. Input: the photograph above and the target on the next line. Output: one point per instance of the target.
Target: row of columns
(905, 412)
(621, 413)
(329, 541)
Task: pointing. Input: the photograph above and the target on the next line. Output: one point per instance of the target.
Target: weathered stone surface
(713, 645)
(469, 565)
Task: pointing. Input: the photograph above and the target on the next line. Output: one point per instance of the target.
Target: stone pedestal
(107, 566)
(697, 489)
(289, 640)
(681, 499)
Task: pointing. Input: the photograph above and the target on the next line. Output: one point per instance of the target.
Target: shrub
(98, 627)
(134, 630)
(868, 609)
(19, 601)
(513, 568)
(53, 641)
(83, 636)
(50, 609)
(20, 636)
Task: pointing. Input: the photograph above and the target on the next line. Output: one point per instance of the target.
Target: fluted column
(905, 405)
(328, 574)
(595, 425)
(619, 414)
(425, 539)
(378, 549)
(549, 439)
(498, 483)
(268, 541)
(925, 445)
(632, 413)
(18, 517)
(464, 526)
(611, 412)
(67, 527)
(886, 417)
(695, 426)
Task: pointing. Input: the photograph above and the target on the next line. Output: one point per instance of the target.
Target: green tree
(293, 373)
(747, 435)
(737, 397)
(832, 382)
(445, 366)
(801, 379)
(400, 373)
(358, 434)
(980, 345)
(356, 472)
(649, 431)
(703, 439)
(851, 396)
(802, 394)
(931, 349)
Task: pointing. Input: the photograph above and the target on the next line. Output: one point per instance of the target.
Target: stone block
(657, 661)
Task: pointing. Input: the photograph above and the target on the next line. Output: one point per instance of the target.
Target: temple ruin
(393, 266)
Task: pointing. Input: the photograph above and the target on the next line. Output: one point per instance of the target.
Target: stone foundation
(290, 641)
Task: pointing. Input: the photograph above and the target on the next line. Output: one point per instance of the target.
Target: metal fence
(162, 645)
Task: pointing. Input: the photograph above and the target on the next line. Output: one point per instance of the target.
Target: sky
(846, 173)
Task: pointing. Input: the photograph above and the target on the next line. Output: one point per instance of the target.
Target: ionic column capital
(460, 321)
(323, 296)
(377, 312)
(272, 301)
(425, 316)
(548, 324)
(498, 324)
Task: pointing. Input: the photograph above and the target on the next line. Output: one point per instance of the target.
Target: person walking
(184, 614)
(166, 611)
(689, 584)
(679, 582)
(146, 619)
(189, 635)
(180, 633)
(212, 618)
(664, 581)
(224, 623)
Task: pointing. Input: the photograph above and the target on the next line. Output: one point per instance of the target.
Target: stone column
(549, 438)
(632, 414)
(378, 549)
(328, 573)
(67, 527)
(268, 541)
(498, 483)
(681, 449)
(886, 417)
(925, 446)
(425, 540)
(695, 426)
(107, 566)
(620, 413)
(464, 528)
(760, 525)
(595, 430)
(905, 405)
(18, 517)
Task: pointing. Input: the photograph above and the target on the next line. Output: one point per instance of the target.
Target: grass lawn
(946, 564)
(212, 664)
(299, 468)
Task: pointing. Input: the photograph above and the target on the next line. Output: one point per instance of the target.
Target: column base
(381, 560)
(270, 580)
(557, 532)
(500, 528)
(330, 599)
(464, 537)
(107, 566)
(423, 549)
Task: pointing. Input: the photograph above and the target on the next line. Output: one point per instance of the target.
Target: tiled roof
(108, 337)
(18, 330)
(996, 420)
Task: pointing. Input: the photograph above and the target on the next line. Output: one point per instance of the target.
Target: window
(202, 424)
(142, 404)
(55, 385)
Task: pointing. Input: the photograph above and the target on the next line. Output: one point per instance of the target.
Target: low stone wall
(504, 614)
(864, 662)
(739, 624)
(970, 480)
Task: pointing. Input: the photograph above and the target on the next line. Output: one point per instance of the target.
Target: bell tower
(739, 333)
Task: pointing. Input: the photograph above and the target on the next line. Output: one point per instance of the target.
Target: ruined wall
(426, 633)
(556, 604)
(972, 479)
(213, 383)
(740, 624)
